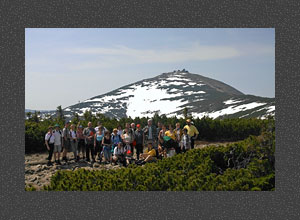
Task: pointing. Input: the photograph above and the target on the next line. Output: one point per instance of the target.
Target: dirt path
(38, 174)
(202, 144)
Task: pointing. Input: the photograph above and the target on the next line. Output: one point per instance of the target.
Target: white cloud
(110, 57)
(95, 58)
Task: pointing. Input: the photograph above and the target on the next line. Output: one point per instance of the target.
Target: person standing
(192, 132)
(73, 141)
(128, 133)
(81, 142)
(178, 133)
(66, 141)
(99, 124)
(98, 143)
(150, 132)
(133, 141)
(132, 126)
(89, 133)
(57, 144)
(159, 127)
(126, 137)
(185, 142)
(161, 144)
(106, 143)
(139, 137)
(49, 141)
(115, 139)
(171, 143)
(120, 131)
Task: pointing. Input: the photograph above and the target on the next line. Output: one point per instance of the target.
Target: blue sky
(64, 66)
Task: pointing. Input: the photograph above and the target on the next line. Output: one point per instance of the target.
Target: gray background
(18, 204)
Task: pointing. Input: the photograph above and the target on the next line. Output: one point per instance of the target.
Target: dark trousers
(81, 146)
(90, 147)
(139, 150)
(121, 159)
(51, 146)
(192, 142)
(178, 149)
(132, 149)
(98, 149)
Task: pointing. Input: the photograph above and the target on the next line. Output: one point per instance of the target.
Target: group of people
(119, 146)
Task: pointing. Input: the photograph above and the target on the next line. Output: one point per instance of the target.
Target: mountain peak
(169, 93)
(177, 72)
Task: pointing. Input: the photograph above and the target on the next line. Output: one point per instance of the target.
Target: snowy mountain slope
(169, 93)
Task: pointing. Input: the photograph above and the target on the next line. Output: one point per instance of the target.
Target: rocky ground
(38, 174)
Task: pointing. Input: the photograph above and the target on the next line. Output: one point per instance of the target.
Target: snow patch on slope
(271, 109)
(142, 106)
(235, 109)
(231, 101)
(193, 93)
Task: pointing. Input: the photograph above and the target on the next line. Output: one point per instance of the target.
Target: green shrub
(242, 166)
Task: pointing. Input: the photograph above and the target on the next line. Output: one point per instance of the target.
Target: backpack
(58, 131)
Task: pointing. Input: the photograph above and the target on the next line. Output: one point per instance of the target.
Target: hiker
(139, 137)
(127, 125)
(120, 131)
(89, 133)
(81, 142)
(159, 127)
(192, 132)
(170, 139)
(49, 141)
(66, 141)
(127, 137)
(161, 145)
(115, 139)
(148, 155)
(128, 153)
(132, 126)
(119, 154)
(178, 133)
(99, 124)
(150, 133)
(185, 143)
(73, 141)
(57, 144)
(133, 141)
(98, 143)
(106, 143)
